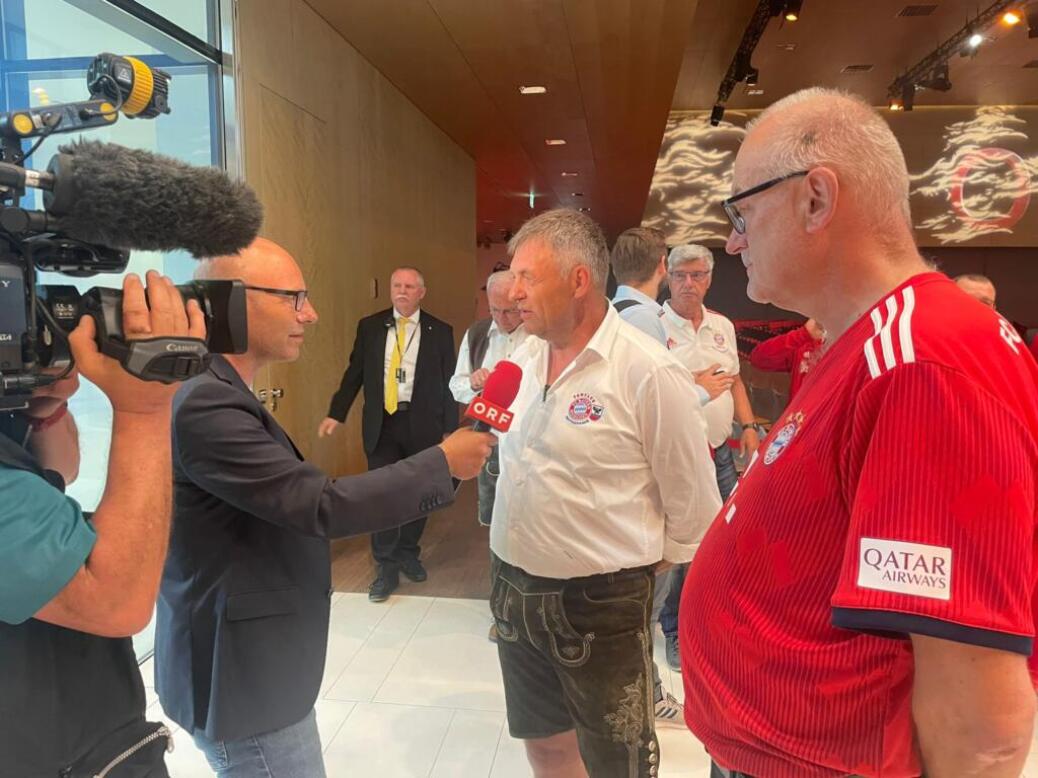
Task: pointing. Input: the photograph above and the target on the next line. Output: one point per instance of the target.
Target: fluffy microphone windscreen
(134, 199)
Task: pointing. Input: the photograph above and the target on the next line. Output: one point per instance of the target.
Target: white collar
(413, 318)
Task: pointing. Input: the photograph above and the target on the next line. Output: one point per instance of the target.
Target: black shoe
(673, 653)
(385, 584)
(413, 569)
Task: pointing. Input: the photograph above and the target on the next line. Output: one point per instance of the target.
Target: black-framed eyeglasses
(299, 295)
(732, 212)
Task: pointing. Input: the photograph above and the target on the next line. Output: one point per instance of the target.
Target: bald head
(977, 286)
(841, 131)
(260, 263)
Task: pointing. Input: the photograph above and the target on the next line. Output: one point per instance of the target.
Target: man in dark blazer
(404, 358)
(242, 619)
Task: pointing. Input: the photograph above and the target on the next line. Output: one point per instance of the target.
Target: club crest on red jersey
(583, 409)
(783, 438)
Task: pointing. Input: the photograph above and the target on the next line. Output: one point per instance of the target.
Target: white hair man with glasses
(864, 602)
(704, 342)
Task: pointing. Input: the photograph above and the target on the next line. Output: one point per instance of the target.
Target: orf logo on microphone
(492, 415)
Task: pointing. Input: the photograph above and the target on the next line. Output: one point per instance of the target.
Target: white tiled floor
(412, 689)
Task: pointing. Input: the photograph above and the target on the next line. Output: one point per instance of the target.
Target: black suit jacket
(242, 619)
(434, 411)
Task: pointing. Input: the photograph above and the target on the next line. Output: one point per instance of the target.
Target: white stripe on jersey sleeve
(870, 345)
(905, 326)
(884, 335)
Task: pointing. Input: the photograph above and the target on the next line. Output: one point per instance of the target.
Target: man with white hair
(605, 474)
(864, 602)
(704, 342)
(483, 345)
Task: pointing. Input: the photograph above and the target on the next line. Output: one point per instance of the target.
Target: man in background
(794, 352)
(978, 287)
(704, 342)
(242, 621)
(403, 357)
(484, 344)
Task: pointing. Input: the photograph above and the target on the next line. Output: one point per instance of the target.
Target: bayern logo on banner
(583, 409)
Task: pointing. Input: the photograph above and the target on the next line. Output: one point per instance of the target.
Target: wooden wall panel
(355, 180)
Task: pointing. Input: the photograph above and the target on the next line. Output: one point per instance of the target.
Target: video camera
(35, 319)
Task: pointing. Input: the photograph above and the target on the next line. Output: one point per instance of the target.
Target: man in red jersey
(864, 602)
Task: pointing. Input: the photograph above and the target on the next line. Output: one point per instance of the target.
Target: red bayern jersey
(896, 495)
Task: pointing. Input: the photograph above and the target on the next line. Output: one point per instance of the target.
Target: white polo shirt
(714, 343)
(608, 468)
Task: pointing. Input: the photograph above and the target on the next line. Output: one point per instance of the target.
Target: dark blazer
(242, 619)
(434, 411)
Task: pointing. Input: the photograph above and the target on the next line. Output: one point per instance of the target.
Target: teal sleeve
(44, 540)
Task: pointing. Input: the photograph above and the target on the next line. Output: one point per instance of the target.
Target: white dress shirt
(713, 343)
(412, 341)
(606, 469)
(501, 345)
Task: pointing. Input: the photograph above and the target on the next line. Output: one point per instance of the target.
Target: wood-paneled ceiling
(610, 67)
(832, 34)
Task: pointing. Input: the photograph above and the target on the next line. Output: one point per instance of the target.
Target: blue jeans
(291, 752)
(727, 477)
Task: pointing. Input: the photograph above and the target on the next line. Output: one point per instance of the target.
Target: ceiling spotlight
(532, 90)
(554, 142)
(578, 194)
(1011, 18)
(569, 174)
(754, 92)
(752, 76)
(975, 40)
(792, 12)
(583, 209)
(716, 115)
(895, 105)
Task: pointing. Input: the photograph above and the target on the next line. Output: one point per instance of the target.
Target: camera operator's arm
(54, 439)
(114, 592)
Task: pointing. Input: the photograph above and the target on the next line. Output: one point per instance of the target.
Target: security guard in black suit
(404, 359)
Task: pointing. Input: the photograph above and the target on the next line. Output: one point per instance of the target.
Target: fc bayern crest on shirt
(719, 342)
(583, 409)
(784, 437)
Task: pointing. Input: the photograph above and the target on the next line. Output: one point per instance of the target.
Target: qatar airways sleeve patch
(905, 568)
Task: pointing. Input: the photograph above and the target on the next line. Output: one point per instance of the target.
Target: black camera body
(35, 320)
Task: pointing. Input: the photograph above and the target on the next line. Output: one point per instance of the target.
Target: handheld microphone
(133, 199)
(490, 408)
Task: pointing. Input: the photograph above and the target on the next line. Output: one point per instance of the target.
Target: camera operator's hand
(158, 313)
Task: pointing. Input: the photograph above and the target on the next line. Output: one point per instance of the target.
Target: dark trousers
(390, 547)
(727, 477)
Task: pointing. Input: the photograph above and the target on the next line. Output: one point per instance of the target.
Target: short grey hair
(498, 277)
(416, 271)
(976, 278)
(573, 237)
(842, 131)
(689, 252)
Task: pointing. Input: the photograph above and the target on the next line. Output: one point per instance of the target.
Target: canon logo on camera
(181, 347)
